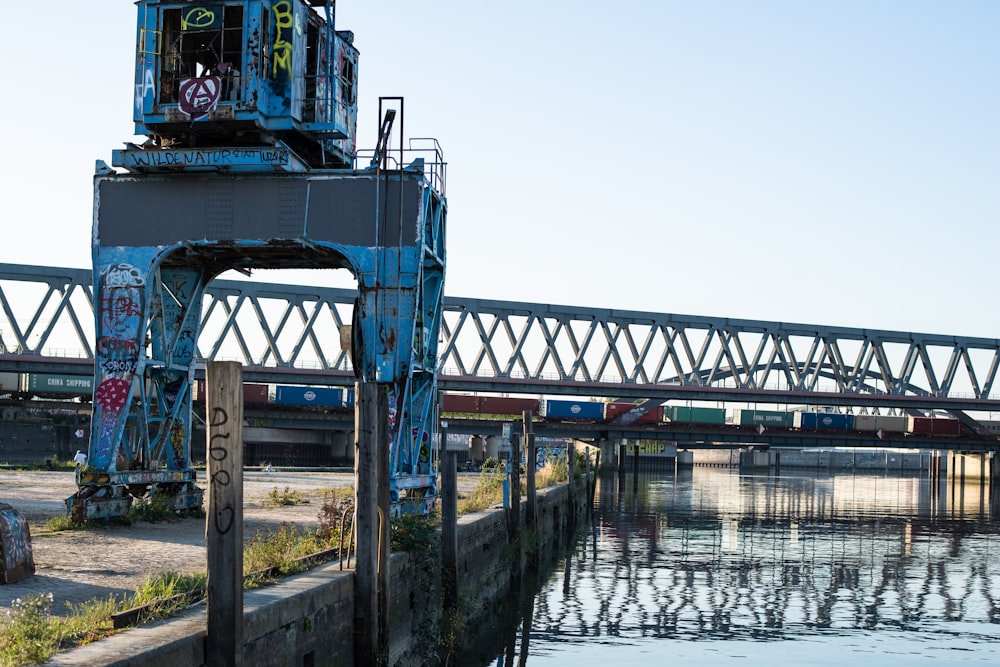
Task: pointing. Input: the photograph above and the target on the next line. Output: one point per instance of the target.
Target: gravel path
(76, 566)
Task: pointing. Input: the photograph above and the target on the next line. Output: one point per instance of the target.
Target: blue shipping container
(322, 396)
(574, 410)
(824, 420)
(349, 400)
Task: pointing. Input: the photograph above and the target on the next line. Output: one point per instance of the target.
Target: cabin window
(202, 41)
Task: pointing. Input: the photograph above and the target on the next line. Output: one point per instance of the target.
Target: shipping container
(253, 394)
(326, 397)
(685, 415)
(10, 382)
(349, 398)
(459, 403)
(884, 423)
(502, 405)
(776, 418)
(615, 409)
(823, 421)
(574, 410)
(934, 426)
(77, 385)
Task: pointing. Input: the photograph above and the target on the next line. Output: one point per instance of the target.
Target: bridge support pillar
(969, 467)
(685, 459)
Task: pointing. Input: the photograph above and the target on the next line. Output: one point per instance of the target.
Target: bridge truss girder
(539, 348)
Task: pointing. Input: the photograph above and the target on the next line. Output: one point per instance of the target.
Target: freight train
(42, 385)
(595, 412)
(81, 387)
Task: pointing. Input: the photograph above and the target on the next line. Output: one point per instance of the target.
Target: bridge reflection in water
(712, 567)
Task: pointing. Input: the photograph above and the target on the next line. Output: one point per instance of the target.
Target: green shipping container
(763, 417)
(60, 384)
(687, 415)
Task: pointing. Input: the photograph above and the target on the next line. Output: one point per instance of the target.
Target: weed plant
(276, 550)
(552, 473)
(286, 497)
(154, 509)
(489, 490)
(163, 587)
(28, 635)
(336, 514)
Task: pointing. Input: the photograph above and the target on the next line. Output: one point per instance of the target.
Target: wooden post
(635, 468)
(370, 429)
(593, 483)
(571, 481)
(224, 521)
(531, 512)
(515, 487)
(384, 529)
(449, 522)
(622, 456)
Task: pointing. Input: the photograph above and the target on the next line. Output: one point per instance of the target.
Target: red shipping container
(934, 426)
(459, 403)
(254, 394)
(498, 405)
(612, 410)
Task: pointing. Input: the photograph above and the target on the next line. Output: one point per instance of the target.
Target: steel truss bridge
(289, 333)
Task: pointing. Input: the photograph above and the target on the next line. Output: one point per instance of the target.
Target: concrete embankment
(308, 619)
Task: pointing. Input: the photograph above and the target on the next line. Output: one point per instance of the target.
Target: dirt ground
(80, 565)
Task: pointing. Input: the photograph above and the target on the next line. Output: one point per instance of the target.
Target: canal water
(715, 567)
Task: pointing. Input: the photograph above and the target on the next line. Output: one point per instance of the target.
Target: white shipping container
(887, 423)
(892, 423)
(865, 422)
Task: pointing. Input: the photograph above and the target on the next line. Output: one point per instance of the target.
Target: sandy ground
(80, 565)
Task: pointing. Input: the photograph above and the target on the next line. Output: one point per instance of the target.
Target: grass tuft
(489, 490)
(286, 497)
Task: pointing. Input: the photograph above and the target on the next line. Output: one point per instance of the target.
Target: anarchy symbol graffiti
(199, 96)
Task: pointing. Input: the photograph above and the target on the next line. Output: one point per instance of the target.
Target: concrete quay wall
(308, 619)
(875, 460)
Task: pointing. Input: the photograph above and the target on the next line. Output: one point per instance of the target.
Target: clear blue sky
(823, 162)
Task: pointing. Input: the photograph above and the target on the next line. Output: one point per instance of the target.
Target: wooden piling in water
(530, 454)
(635, 469)
(622, 457)
(571, 480)
(515, 488)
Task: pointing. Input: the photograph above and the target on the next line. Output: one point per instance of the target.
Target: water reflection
(853, 568)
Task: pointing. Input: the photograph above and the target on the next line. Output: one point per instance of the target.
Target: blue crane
(250, 112)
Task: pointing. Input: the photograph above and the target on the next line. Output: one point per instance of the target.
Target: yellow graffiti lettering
(197, 17)
(283, 21)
